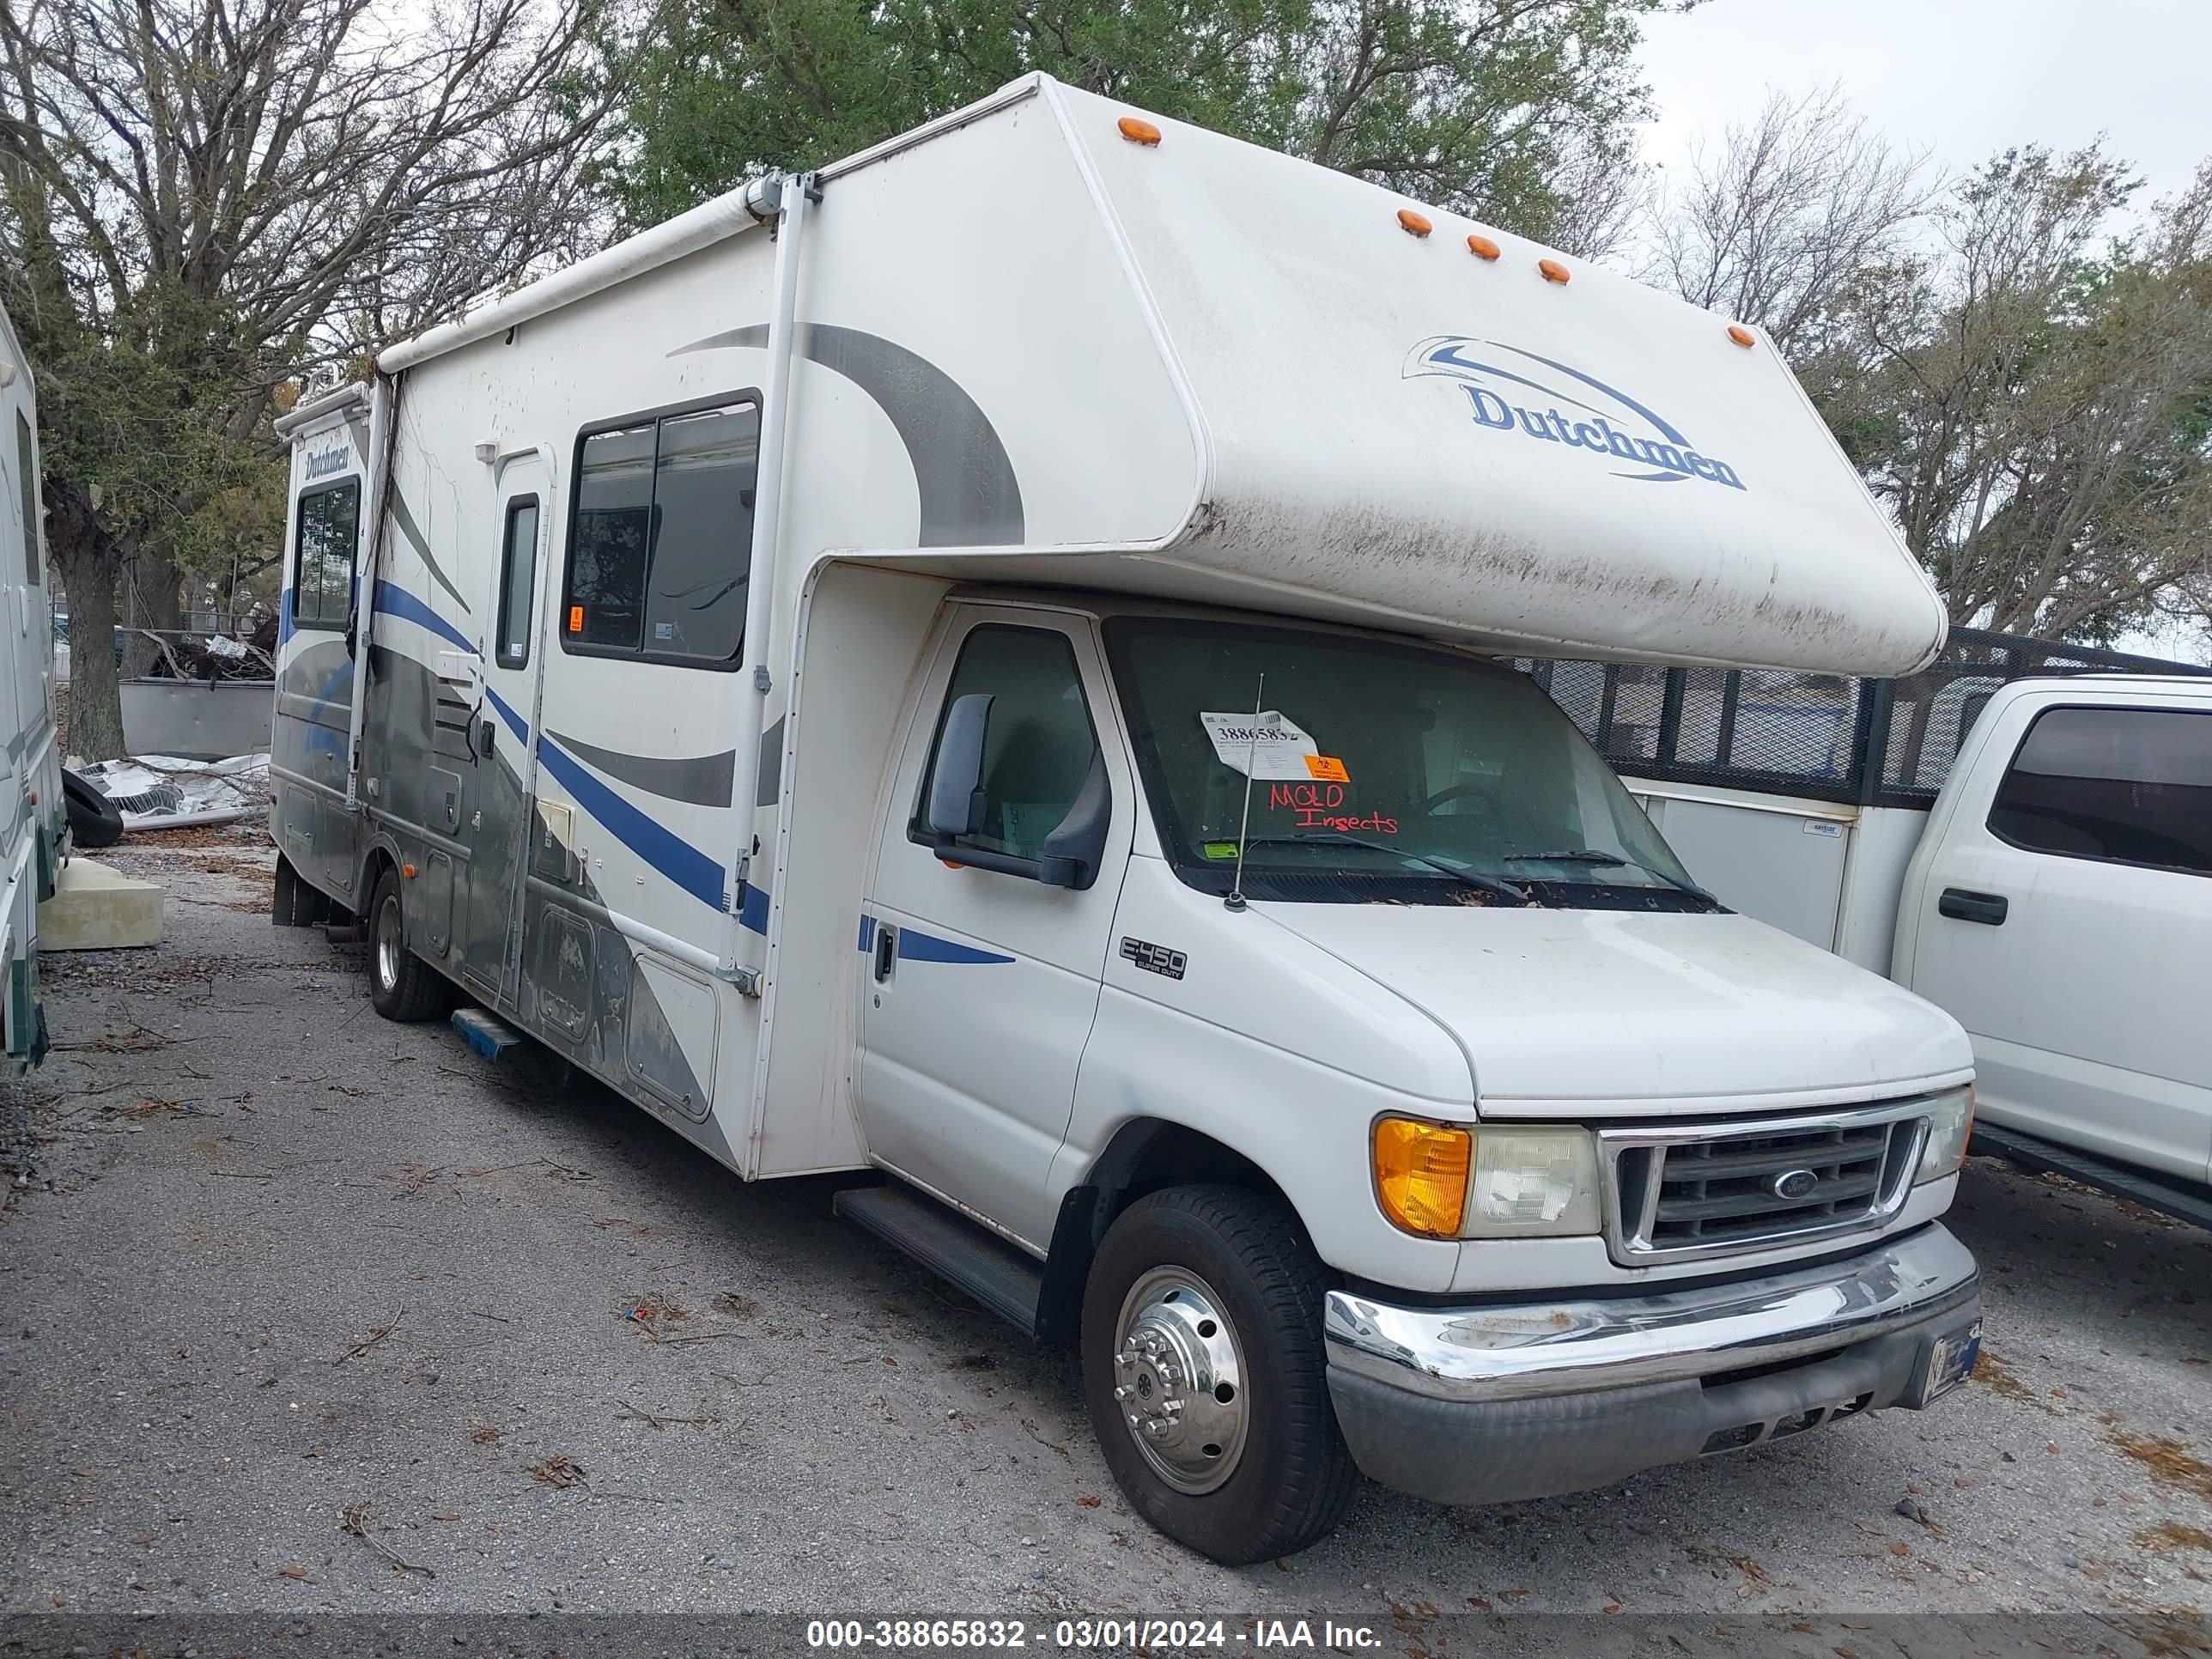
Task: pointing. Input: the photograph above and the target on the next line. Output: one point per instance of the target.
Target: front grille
(1715, 1189)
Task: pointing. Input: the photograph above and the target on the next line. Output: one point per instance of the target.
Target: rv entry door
(502, 739)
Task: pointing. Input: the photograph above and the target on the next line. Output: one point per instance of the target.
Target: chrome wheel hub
(1179, 1380)
(388, 943)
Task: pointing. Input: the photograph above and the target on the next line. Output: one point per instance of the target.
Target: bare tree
(1791, 208)
(204, 202)
(2035, 401)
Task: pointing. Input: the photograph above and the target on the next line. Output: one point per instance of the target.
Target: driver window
(1040, 743)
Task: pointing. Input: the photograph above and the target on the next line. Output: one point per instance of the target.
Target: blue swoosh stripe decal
(690, 869)
(914, 945)
(1450, 355)
(1673, 436)
(392, 601)
(927, 947)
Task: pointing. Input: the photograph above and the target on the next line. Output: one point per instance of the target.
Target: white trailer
(34, 840)
(2020, 833)
(973, 665)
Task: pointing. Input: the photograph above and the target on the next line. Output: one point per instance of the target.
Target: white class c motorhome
(976, 664)
(34, 841)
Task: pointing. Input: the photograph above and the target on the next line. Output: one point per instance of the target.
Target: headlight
(1950, 1125)
(1532, 1182)
(1446, 1181)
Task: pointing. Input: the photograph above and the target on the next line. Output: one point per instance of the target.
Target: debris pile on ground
(168, 792)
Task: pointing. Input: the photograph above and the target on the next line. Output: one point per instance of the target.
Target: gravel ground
(293, 1295)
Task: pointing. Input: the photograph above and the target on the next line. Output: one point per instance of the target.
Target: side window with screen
(661, 545)
(1039, 745)
(27, 472)
(322, 566)
(518, 579)
(2130, 786)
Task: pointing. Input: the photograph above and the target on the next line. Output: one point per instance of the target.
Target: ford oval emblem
(1796, 1183)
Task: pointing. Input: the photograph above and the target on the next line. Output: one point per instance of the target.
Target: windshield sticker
(1327, 769)
(1221, 849)
(1264, 746)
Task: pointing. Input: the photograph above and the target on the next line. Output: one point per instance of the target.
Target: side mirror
(1074, 851)
(955, 789)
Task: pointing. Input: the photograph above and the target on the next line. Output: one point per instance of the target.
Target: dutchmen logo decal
(1514, 393)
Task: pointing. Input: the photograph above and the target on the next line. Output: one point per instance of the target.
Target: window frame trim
(730, 664)
(351, 481)
(2011, 760)
(515, 504)
(989, 858)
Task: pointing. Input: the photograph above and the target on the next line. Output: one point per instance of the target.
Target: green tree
(1517, 111)
(204, 202)
(2033, 398)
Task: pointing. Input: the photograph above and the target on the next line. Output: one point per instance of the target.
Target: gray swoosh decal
(969, 496)
(405, 520)
(703, 780)
(357, 430)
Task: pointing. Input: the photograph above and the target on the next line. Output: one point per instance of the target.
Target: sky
(1961, 79)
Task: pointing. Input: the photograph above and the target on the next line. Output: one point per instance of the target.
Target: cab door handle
(886, 949)
(1961, 905)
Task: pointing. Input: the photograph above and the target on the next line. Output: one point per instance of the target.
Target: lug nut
(1120, 1393)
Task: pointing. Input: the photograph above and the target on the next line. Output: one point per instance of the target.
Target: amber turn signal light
(1420, 1174)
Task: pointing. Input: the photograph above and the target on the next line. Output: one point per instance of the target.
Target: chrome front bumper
(1481, 1404)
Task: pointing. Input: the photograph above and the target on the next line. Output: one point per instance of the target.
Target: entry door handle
(886, 949)
(1961, 905)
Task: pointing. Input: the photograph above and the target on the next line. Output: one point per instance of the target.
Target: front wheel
(401, 985)
(1204, 1371)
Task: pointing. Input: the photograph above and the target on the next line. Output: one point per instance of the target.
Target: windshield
(1380, 772)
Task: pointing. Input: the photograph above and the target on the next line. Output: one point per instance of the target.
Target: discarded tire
(94, 820)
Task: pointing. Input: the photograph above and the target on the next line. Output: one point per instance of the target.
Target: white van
(2054, 896)
(976, 666)
(34, 816)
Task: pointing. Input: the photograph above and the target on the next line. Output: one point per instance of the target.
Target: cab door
(502, 736)
(980, 981)
(2061, 915)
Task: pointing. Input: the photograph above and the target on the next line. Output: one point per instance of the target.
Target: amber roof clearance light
(1413, 223)
(1742, 335)
(1137, 130)
(1554, 271)
(1482, 247)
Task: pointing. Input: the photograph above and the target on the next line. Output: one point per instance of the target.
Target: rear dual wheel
(1204, 1372)
(401, 986)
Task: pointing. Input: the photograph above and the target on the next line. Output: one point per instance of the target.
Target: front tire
(1202, 1321)
(401, 986)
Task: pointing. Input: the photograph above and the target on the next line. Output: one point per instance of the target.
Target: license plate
(1951, 1361)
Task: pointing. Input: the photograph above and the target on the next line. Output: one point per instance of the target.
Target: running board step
(2037, 1155)
(487, 1033)
(989, 1269)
